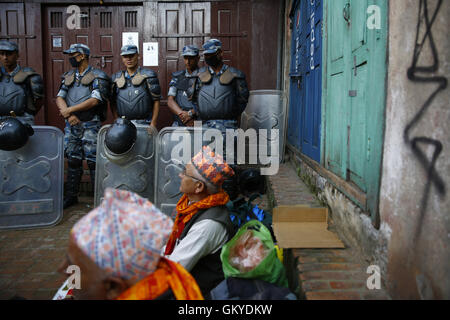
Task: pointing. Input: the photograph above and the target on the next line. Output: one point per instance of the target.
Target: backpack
(242, 211)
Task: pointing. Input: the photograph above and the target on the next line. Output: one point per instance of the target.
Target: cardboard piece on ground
(303, 227)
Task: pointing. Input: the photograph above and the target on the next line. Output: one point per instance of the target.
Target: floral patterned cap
(211, 166)
(124, 235)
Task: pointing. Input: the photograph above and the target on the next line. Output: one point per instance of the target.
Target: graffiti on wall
(426, 74)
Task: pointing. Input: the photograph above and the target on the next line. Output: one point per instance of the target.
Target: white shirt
(205, 237)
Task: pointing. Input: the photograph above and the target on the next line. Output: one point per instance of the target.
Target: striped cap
(212, 167)
(124, 235)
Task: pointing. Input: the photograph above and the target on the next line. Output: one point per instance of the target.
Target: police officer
(135, 91)
(221, 96)
(181, 88)
(221, 92)
(21, 89)
(82, 101)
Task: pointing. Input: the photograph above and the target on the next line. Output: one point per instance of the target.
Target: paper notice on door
(130, 38)
(150, 52)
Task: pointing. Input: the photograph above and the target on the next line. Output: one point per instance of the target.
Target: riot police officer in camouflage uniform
(21, 89)
(135, 91)
(82, 101)
(221, 92)
(181, 90)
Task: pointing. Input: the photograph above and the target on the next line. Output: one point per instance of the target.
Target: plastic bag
(248, 252)
(265, 266)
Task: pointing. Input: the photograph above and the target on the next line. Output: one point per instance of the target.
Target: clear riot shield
(133, 171)
(31, 181)
(266, 109)
(175, 147)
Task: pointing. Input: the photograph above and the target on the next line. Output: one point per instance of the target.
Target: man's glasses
(183, 173)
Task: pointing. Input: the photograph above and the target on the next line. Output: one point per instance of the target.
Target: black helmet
(250, 181)
(14, 134)
(121, 136)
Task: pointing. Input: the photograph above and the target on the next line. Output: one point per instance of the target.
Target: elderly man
(21, 89)
(82, 101)
(181, 90)
(202, 225)
(136, 91)
(117, 245)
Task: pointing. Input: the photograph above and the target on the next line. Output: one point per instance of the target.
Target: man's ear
(114, 286)
(200, 188)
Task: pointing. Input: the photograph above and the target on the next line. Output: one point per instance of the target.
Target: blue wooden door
(306, 77)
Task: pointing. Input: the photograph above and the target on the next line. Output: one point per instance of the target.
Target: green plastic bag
(270, 269)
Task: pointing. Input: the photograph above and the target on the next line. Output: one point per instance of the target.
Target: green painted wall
(355, 92)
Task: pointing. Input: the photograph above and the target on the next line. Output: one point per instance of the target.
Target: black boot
(91, 166)
(72, 186)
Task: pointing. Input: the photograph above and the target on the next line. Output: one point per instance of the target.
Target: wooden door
(12, 28)
(179, 24)
(100, 28)
(185, 23)
(304, 130)
(356, 73)
(337, 82)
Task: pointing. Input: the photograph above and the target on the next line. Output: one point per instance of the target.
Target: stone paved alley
(29, 258)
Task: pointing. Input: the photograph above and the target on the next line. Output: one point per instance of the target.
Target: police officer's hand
(190, 123)
(64, 111)
(184, 117)
(151, 129)
(73, 120)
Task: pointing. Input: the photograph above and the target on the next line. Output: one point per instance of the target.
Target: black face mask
(73, 61)
(213, 61)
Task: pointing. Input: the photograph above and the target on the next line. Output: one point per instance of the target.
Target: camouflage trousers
(80, 141)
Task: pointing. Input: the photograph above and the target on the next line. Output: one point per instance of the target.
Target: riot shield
(266, 110)
(175, 147)
(133, 171)
(31, 181)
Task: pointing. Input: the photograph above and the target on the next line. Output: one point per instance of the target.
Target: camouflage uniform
(80, 140)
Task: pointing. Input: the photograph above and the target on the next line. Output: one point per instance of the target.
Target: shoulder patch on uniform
(23, 74)
(139, 78)
(205, 76)
(227, 77)
(120, 80)
(88, 78)
(69, 78)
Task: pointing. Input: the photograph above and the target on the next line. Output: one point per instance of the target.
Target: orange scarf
(168, 274)
(185, 212)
